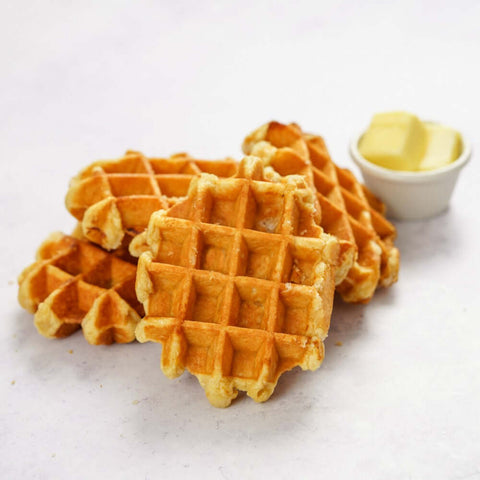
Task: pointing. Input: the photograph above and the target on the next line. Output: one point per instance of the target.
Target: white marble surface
(87, 80)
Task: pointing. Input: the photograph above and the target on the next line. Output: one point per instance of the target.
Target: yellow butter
(443, 147)
(395, 140)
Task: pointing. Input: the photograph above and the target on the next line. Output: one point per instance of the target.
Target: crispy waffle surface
(348, 209)
(75, 284)
(122, 252)
(114, 199)
(237, 282)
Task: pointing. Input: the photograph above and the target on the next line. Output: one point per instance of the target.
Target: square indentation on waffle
(250, 292)
(268, 207)
(221, 204)
(168, 287)
(250, 303)
(296, 304)
(74, 284)
(172, 243)
(261, 256)
(207, 298)
(215, 249)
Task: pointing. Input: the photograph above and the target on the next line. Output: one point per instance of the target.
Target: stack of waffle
(232, 267)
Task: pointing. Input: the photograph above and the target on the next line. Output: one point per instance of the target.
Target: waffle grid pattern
(114, 197)
(363, 278)
(234, 291)
(74, 284)
(348, 210)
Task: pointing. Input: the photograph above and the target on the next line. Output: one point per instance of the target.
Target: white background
(81, 81)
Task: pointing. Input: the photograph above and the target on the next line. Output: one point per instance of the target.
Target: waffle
(114, 198)
(75, 284)
(121, 252)
(237, 283)
(348, 209)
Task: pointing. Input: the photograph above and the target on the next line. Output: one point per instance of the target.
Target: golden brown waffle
(238, 283)
(116, 197)
(121, 252)
(75, 284)
(367, 217)
(348, 209)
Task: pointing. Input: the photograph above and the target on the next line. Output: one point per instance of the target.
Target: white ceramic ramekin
(411, 195)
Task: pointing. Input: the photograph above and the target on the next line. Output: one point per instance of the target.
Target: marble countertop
(398, 394)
